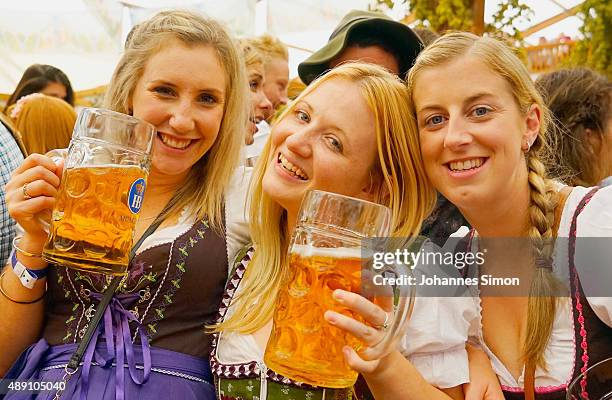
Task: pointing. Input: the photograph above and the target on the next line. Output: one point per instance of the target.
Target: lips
(290, 168)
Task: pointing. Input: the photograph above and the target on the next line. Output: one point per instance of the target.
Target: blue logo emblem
(136, 195)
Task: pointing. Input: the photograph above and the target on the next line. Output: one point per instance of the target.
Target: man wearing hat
(369, 37)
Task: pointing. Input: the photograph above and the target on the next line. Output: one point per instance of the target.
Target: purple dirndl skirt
(172, 375)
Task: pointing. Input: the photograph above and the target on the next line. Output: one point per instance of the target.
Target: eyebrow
(468, 100)
(217, 92)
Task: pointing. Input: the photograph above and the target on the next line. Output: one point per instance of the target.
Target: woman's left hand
(370, 334)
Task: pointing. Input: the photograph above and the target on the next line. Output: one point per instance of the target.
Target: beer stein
(101, 192)
(593, 384)
(326, 254)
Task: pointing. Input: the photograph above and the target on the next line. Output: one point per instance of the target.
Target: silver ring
(24, 190)
(385, 325)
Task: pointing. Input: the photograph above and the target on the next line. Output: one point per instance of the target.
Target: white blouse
(595, 221)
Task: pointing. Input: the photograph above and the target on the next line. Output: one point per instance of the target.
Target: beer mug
(593, 384)
(101, 192)
(326, 254)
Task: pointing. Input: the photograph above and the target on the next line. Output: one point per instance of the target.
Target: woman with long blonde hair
(346, 133)
(182, 73)
(482, 127)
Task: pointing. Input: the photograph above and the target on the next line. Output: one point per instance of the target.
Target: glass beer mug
(101, 192)
(326, 254)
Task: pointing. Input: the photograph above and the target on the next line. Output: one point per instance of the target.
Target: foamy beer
(101, 192)
(325, 255)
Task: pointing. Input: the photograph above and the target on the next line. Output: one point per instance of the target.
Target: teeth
(465, 165)
(292, 168)
(174, 142)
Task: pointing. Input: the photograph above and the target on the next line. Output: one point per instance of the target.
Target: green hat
(377, 25)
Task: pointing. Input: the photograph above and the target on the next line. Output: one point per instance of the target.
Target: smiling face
(327, 141)
(182, 93)
(261, 108)
(472, 132)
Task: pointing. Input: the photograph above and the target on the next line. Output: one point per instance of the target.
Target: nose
(283, 99)
(181, 119)
(299, 142)
(457, 134)
(265, 105)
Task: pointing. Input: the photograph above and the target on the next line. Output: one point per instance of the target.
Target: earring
(525, 146)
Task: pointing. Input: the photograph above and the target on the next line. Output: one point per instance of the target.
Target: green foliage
(595, 50)
(506, 17)
(444, 15)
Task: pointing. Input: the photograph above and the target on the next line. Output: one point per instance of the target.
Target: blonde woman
(261, 108)
(45, 122)
(346, 133)
(482, 138)
(182, 73)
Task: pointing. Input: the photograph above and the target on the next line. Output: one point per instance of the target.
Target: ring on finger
(385, 325)
(24, 190)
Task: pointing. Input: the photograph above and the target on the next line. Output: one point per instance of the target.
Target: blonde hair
(209, 177)
(44, 122)
(252, 56)
(543, 197)
(271, 47)
(405, 189)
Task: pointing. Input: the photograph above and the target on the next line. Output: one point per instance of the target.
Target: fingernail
(337, 295)
(330, 317)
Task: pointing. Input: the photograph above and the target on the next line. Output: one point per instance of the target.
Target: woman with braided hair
(483, 139)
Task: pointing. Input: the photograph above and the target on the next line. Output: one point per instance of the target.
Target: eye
(302, 115)
(480, 111)
(253, 85)
(335, 143)
(207, 98)
(435, 120)
(164, 90)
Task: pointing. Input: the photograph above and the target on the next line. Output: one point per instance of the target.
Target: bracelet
(21, 251)
(18, 301)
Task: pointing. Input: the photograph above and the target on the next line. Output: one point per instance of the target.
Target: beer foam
(331, 252)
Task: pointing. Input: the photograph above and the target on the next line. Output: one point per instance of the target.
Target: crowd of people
(449, 132)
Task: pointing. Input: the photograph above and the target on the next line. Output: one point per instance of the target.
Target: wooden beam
(552, 20)
(478, 7)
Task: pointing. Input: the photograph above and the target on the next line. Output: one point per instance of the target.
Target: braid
(541, 306)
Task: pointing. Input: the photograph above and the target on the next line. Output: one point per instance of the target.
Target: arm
(389, 377)
(21, 323)
(483, 380)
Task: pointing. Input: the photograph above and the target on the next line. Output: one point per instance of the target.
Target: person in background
(12, 153)
(365, 36)
(182, 73)
(276, 68)
(581, 102)
(45, 79)
(260, 105)
(45, 122)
